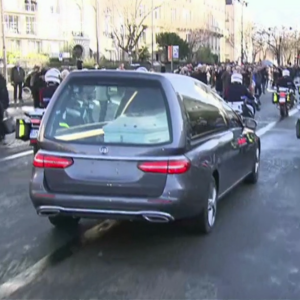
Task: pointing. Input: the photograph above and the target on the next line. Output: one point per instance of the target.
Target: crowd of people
(256, 77)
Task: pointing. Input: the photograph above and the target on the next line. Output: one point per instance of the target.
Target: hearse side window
(203, 117)
(234, 120)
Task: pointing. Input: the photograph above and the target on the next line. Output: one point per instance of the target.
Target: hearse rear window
(120, 112)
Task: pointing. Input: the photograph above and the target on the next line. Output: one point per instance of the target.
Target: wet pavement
(253, 252)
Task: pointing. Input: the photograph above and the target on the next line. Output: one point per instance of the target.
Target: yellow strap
(61, 124)
(128, 103)
(21, 129)
(250, 139)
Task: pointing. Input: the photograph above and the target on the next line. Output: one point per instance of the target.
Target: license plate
(281, 100)
(33, 133)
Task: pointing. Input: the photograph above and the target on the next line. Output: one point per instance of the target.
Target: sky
(278, 13)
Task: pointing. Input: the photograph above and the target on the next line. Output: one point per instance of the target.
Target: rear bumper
(151, 216)
(181, 205)
(177, 201)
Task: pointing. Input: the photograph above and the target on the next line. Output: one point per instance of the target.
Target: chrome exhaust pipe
(48, 212)
(156, 219)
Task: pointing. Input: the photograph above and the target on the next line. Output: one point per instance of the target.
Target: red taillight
(282, 95)
(165, 167)
(242, 141)
(49, 161)
(35, 121)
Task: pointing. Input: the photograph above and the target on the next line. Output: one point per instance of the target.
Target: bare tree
(290, 45)
(278, 41)
(128, 22)
(230, 39)
(258, 41)
(198, 38)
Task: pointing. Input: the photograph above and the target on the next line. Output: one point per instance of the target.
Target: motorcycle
(35, 118)
(243, 108)
(283, 100)
(27, 129)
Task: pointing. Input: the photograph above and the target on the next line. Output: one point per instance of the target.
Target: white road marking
(30, 274)
(260, 132)
(18, 155)
(24, 278)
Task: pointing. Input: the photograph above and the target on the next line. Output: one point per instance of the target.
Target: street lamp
(152, 32)
(96, 9)
(243, 3)
(3, 42)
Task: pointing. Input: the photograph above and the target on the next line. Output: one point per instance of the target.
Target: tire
(204, 222)
(282, 111)
(64, 222)
(252, 178)
(286, 111)
(35, 149)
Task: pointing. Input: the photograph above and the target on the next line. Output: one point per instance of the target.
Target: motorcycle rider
(285, 82)
(52, 79)
(237, 90)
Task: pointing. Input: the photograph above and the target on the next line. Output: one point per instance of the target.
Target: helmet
(52, 76)
(64, 74)
(236, 77)
(285, 73)
(141, 69)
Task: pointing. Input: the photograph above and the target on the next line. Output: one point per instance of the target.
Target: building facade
(85, 26)
(31, 26)
(238, 24)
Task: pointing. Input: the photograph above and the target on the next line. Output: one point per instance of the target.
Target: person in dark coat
(17, 78)
(219, 82)
(4, 104)
(38, 84)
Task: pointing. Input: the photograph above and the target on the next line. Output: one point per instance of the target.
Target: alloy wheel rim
(212, 207)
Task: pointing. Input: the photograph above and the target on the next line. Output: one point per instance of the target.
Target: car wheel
(205, 221)
(62, 222)
(253, 177)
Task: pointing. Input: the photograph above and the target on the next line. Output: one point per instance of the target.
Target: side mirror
(250, 123)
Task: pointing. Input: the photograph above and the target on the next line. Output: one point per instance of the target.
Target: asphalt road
(253, 252)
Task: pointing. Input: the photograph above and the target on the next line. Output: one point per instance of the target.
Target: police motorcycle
(242, 108)
(282, 98)
(28, 128)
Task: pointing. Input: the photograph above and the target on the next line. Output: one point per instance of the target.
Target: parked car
(139, 146)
